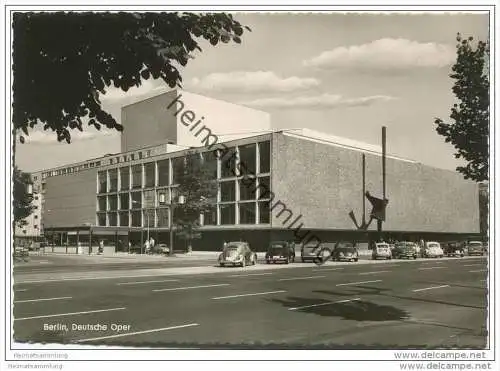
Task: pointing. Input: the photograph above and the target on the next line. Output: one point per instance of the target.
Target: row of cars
(240, 254)
(430, 249)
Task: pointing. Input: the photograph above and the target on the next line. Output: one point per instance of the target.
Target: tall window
(113, 202)
(149, 199)
(227, 191)
(210, 163)
(101, 203)
(248, 159)
(123, 218)
(149, 218)
(136, 176)
(163, 172)
(264, 212)
(149, 171)
(162, 216)
(101, 219)
(227, 214)
(264, 188)
(136, 199)
(265, 156)
(124, 202)
(177, 169)
(247, 213)
(112, 219)
(247, 188)
(124, 178)
(113, 180)
(103, 182)
(136, 218)
(228, 163)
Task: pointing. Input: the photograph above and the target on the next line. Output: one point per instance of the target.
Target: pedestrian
(146, 247)
(151, 243)
(101, 247)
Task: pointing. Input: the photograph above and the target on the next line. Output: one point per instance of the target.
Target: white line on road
(322, 304)
(141, 282)
(326, 269)
(252, 294)
(432, 268)
(484, 280)
(431, 288)
(250, 274)
(69, 314)
(45, 299)
(137, 332)
(301, 278)
(21, 290)
(472, 265)
(479, 270)
(374, 272)
(191, 287)
(356, 283)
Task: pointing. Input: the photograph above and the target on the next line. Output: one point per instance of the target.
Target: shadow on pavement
(358, 310)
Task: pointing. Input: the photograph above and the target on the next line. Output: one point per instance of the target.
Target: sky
(345, 74)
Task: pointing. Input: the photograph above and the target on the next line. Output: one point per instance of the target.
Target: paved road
(399, 304)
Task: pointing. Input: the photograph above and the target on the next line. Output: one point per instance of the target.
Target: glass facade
(150, 174)
(124, 178)
(163, 172)
(136, 176)
(139, 195)
(113, 180)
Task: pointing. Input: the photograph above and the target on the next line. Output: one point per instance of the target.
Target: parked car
(312, 251)
(345, 252)
(454, 249)
(433, 250)
(161, 248)
(475, 248)
(280, 251)
(405, 250)
(237, 253)
(381, 250)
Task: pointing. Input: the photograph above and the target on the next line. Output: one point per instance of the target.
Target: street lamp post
(172, 204)
(147, 222)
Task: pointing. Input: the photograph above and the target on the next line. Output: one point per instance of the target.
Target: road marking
(357, 283)
(484, 280)
(46, 299)
(138, 332)
(374, 272)
(191, 287)
(301, 278)
(141, 282)
(21, 290)
(472, 265)
(253, 294)
(432, 268)
(251, 274)
(69, 314)
(479, 270)
(327, 269)
(322, 304)
(431, 288)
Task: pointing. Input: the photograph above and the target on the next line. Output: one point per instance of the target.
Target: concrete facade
(323, 183)
(177, 116)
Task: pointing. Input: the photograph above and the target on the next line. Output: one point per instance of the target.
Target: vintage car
(433, 250)
(453, 249)
(280, 251)
(345, 251)
(381, 250)
(237, 254)
(475, 248)
(405, 249)
(311, 251)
